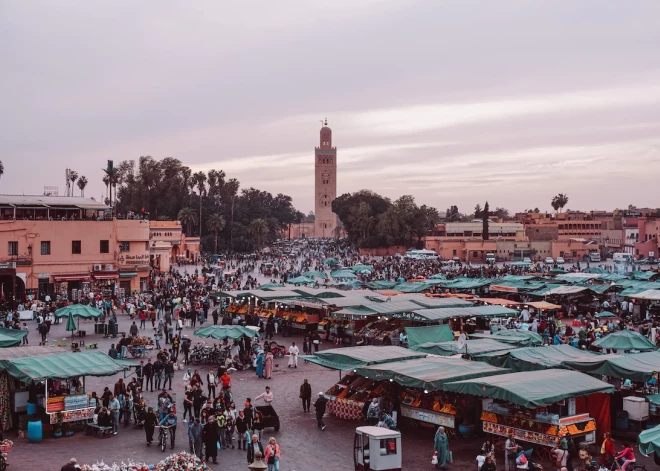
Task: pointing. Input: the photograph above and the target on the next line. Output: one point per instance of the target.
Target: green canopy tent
(437, 276)
(271, 286)
(431, 333)
(435, 303)
(605, 315)
(639, 367)
(315, 274)
(63, 366)
(381, 284)
(362, 268)
(350, 358)
(70, 324)
(536, 358)
(221, 332)
(79, 310)
(625, 340)
(472, 347)
(429, 374)
(649, 441)
(301, 280)
(331, 261)
(532, 389)
(343, 274)
(521, 338)
(11, 337)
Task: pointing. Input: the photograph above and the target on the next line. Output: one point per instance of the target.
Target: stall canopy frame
(429, 374)
(532, 389)
(431, 333)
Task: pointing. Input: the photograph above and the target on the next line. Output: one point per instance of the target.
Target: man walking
(319, 405)
(148, 371)
(169, 373)
(306, 395)
(158, 372)
(114, 407)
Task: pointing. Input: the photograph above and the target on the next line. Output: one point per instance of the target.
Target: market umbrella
(301, 280)
(79, 310)
(649, 441)
(11, 337)
(70, 324)
(625, 340)
(225, 332)
(315, 274)
(604, 314)
(331, 261)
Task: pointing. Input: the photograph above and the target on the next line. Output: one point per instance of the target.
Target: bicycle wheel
(3, 463)
(163, 442)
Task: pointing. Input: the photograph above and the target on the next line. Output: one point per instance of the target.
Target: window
(124, 246)
(76, 247)
(45, 247)
(12, 247)
(475, 254)
(104, 246)
(388, 446)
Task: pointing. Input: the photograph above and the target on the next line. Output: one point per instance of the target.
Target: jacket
(320, 405)
(250, 451)
(306, 391)
(270, 450)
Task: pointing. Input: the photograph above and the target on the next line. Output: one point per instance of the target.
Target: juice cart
(377, 449)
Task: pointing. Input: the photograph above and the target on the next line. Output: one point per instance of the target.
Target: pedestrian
(267, 396)
(143, 319)
(148, 371)
(272, 455)
(114, 407)
(171, 422)
(139, 374)
(225, 379)
(608, 451)
(373, 412)
(169, 374)
(188, 402)
(319, 405)
(561, 456)
(293, 355)
(629, 455)
(268, 365)
(72, 465)
(242, 424)
(133, 330)
(210, 437)
(254, 445)
(441, 447)
(260, 365)
(195, 431)
(210, 383)
(25, 329)
(159, 366)
(149, 421)
(305, 395)
(511, 453)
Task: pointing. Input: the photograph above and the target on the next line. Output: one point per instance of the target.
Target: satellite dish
(462, 341)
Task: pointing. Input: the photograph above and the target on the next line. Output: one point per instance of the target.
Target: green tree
(188, 217)
(73, 176)
(559, 202)
(485, 229)
(199, 180)
(502, 213)
(111, 179)
(452, 213)
(258, 229)
(82, 183)
(215, 223)
(477, 211)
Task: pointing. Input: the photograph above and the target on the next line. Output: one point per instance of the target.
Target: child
(25, 329)
(229, 430)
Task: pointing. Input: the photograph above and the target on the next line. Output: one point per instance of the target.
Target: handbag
(218, 446)
(434, 459)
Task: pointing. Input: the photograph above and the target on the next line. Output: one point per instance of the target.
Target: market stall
(427, 334)
(625, 340)
(472, 347)
(517, 337)
(421, 383)
(221, 332)
(11, 337)
(540, 406)
(536, 358)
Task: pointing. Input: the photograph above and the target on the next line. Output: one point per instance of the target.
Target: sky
(454, 102)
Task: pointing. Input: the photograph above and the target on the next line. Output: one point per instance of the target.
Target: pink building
(168, 244)
(65, 245)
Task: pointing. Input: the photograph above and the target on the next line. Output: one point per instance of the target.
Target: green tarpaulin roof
(649, 441)
(596, 288)
(11, 337)
(349, 358)
(315, 274)
(362, 268)
(413, 287)
(474, 347)
(79, 310)
(468, 283)
(521, 338)
(517, 278)
(301, 280)
(431, 333)
(432, 302)
(536, 358)
(654, 399)
(439, 314)
(644, 275)
(429, 373)
(225, 332)
(437, 276)
(63, 366)
(271, 286)
(381, 284)
(520, 285)
(544, 291)
(346, 274)
(625, 340)
(637, 367)
(532, 389)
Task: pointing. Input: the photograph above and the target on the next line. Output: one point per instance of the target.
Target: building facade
(325, 185)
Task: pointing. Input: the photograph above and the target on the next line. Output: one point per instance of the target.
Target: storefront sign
(8, 266)
(135, 259)
(428, 416)
(75, 402)
(55, 404)
(44, 276)
(74, 415)
(532, 437)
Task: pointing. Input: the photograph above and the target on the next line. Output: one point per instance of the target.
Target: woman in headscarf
(441, 447)
(260, 364)
(268, 365)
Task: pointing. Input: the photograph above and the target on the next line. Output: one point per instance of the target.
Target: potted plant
(58, 426)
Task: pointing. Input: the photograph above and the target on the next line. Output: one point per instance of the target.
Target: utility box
(637, 408)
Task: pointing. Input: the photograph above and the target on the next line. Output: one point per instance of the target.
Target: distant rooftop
(51, 201)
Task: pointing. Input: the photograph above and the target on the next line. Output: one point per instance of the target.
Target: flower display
(183, 461)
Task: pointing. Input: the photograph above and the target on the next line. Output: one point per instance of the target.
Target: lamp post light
(258, 464)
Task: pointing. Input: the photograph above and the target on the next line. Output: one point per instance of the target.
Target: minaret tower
(325, 188)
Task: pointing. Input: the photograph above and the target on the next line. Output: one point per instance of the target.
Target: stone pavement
(304, 447)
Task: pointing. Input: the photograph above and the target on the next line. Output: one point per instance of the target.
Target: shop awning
(440, 314)
(437, 302)
(350, 358)
(467, 283)
(543, 305)
(127, 275)
(429, 374)
(473, 347)
(545, 290)
(637, 367)
(221, 332)
(70, 277)
(536, 358)
(106, 276)
(563, 290)
(63, 366)
(532, 389)
(432, 333)
(649, 294)
(11, 337)
(497, 301)
(521, 338)
(649, 441)
(79, 310)
(625, 340)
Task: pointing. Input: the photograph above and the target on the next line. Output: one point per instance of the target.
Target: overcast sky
(454, 102)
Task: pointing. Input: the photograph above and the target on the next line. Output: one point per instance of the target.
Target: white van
(624, 258)
(490, 257)
(594, 256)
(421, 255)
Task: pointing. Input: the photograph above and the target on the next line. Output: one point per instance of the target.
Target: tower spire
(326, 122)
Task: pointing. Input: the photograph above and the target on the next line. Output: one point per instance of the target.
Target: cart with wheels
(271, 419)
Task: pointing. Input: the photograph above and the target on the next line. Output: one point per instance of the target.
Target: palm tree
(73, 176)
(111, 178)
(559, 201)
(199, 180)
(215, 223)
(258, 228)
(188, 216)
(82, 183)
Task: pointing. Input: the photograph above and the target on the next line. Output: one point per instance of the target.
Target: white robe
(293, 355)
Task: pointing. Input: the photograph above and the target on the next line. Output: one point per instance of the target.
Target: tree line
(208, 204)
